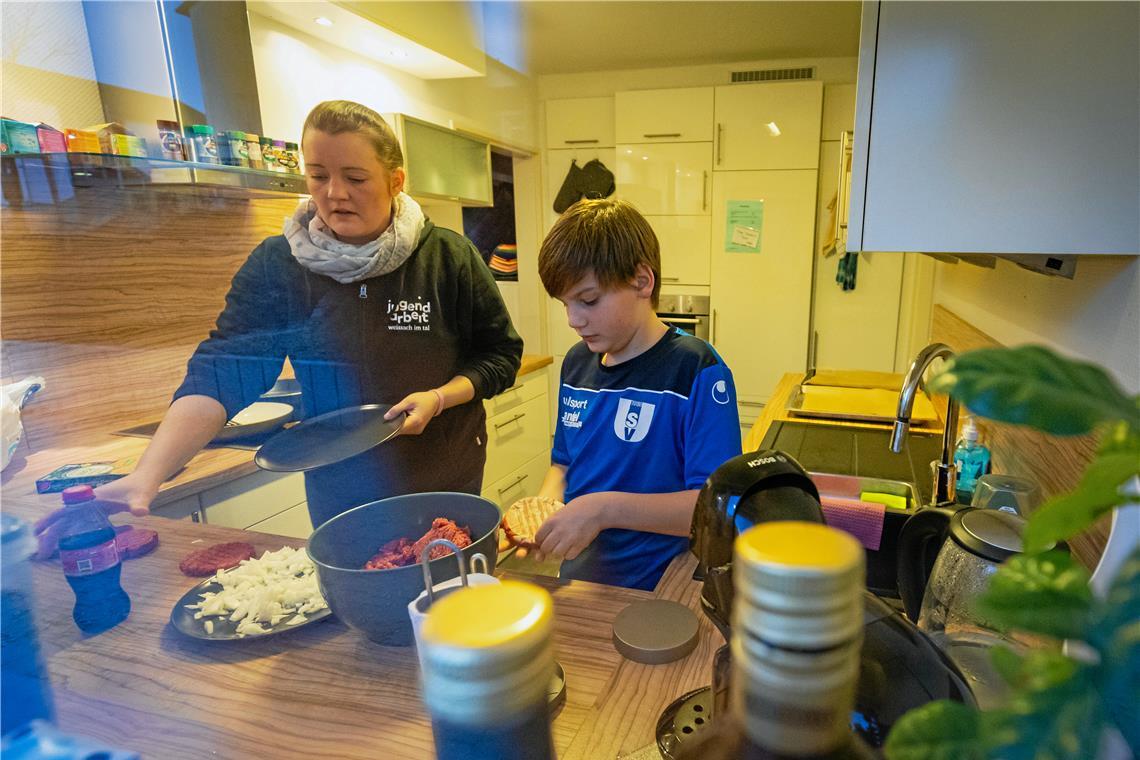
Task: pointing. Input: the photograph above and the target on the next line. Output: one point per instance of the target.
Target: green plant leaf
(941, 730)
(1098, 493)
(1032, 385)
(1116, 635)
(1053, 713)
(1044, 593)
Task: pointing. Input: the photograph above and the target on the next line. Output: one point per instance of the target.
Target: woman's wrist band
(439, 399)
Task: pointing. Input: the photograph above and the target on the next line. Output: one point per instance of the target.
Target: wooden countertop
(323, 691)
(210, 468)
(776, 410)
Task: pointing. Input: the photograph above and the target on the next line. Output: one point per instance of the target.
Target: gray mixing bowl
(376, 601)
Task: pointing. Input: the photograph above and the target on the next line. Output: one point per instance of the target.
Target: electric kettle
(945, 560)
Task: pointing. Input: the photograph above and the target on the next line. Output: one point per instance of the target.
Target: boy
(646, 412)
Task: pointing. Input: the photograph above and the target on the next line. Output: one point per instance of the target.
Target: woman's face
(352, 189)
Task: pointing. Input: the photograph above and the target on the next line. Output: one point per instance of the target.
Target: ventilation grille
(773, 75)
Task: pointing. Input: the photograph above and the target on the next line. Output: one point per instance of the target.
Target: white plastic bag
(12, 400)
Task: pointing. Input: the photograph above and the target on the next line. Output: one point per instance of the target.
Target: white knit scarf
(317, 249)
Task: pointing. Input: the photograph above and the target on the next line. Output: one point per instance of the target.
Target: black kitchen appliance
(900, 667)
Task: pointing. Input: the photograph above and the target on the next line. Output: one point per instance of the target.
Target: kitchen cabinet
(682, 114)
(518, 440)
(580, 122)
(668, 178)
(293, 522)
(684, 248)
(760, 298)
(774, 125)
(444, 163)
(249, 500)
(997, 128)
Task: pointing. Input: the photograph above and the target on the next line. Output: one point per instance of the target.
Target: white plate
(257, 418)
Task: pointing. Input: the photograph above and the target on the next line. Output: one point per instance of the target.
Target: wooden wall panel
(106, 295)
(1053, 462)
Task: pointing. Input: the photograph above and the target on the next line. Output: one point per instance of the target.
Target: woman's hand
(129, 493)
(567, 532)
(421, 407)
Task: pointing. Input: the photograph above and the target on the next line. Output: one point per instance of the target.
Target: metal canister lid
(989, 533)
(655, 631)
(488, 652)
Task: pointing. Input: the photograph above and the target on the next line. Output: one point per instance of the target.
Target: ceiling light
(773, 129)
(323, 21)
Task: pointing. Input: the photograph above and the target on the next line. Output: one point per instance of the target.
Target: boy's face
(606, 319)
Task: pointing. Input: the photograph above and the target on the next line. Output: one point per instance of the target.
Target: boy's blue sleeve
(712, 424)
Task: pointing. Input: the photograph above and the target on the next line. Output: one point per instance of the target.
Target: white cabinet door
(580, 122)
(973, 135)
(667, 178)
(675, 115)
(253, 498)
(684, 248)
(514, 436)
(768, 126)
(761, 300)
(293, 522)
(523, 482)
(558, 164)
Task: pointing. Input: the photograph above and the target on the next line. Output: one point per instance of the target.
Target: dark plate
(328, 439)
(183, 619)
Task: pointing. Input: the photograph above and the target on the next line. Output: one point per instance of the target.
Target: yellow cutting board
(862, 404)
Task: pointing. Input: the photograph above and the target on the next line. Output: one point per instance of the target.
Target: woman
(372, 303)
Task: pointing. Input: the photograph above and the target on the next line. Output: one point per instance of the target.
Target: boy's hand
(567, 532)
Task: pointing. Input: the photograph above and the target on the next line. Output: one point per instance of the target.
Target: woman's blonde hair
(606, 238)
(336, 117)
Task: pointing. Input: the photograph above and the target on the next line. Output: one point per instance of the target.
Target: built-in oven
(685, 312)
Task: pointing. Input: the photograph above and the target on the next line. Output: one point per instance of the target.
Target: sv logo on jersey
(632, 421)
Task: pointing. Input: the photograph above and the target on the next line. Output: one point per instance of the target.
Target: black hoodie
(438, 315)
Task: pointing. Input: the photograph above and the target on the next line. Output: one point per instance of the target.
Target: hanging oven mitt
(569, 193)
(597, 181)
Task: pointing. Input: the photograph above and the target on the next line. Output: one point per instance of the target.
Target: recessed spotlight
(323, 21)
(773, 129)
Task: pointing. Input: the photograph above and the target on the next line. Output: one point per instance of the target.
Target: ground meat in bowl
(401, 552)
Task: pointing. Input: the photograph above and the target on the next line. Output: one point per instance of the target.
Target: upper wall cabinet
(675, 115)
(997, 128)
(444, 163)
(768, 126)
(580, 123)
(665, 179)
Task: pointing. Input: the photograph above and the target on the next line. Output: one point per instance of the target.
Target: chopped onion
(260, 593)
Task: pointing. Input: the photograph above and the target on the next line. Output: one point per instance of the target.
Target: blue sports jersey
(658, 423)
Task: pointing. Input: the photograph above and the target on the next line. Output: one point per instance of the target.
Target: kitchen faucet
(944, 471)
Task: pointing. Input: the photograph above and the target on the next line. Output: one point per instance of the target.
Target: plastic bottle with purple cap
(91, 562)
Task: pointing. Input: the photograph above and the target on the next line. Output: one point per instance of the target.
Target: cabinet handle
(670, 279)
(518, 480)
(513, 388)
(664, 134)
(516, 418)
(719, 140)
(704, 191)
(681, 320)
(580, 142)
(713, 341)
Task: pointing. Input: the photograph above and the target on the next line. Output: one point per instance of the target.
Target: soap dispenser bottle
(971, 460)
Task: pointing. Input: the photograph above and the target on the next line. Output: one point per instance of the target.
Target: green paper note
(744, 226)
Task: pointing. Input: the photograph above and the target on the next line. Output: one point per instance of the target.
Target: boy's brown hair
(606, 238)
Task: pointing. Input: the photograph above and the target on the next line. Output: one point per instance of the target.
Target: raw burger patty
(135, 542)
(217, 557)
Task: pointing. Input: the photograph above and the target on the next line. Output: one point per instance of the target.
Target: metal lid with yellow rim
(798, 584)
(488, 652)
